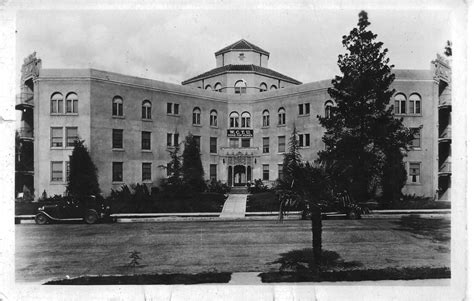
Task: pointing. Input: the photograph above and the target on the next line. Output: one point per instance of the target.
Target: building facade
(241, 113)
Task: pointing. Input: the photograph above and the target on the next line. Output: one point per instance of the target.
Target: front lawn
(201, 278)
(165, 203)
(263, 202)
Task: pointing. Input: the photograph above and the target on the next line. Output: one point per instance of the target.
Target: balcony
(24, 100)
(26, 134)
(445, 169)
(445, 135)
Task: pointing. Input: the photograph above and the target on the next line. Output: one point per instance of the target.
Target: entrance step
(238, 190)
(234, 206)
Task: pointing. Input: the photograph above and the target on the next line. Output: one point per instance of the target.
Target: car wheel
(91, 217)
(353, 215)
(41, 219)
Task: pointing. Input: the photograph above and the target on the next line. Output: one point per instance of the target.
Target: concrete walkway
(234, 206)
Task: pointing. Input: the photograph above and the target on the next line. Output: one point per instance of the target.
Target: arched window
(234, 120)
(400, 104)
(245, 119)
(218, 87)
(240, 87)
(71, 103)
(208, 87)
(328, 106)
(263, 87)
(117, 106)
(266, 118)
(146, 109)
(196, 116)
(281, 116)
(414, 104)
(57, 103)
(273, 87)
(213, 118)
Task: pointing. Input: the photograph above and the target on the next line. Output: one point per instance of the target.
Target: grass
(358, 275)
(416, 203)
(437, 229)
(146, 279)
(200, 202)
(264, 202)
(299, 266)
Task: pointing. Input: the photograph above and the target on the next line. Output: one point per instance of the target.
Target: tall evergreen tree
(193, 173)
(82, 180)
(362, 135)
(291, 162)
(175, 167)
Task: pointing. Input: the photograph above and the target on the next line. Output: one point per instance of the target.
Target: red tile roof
(242, 45)
(245, 68)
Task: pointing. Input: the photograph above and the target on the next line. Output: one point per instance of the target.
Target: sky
(173, 45)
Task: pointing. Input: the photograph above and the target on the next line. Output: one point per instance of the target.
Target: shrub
(217, 186)
(257, 187)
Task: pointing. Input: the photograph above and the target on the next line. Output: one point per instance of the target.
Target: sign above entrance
(239, 133)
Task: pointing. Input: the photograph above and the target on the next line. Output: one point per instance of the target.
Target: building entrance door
(240, 177)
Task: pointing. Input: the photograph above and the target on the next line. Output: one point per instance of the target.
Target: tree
(82, 180)
(175, 167)
(193, 173)
(362, 134)
(291, 163)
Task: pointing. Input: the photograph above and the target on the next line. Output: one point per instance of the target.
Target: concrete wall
(44, 154)
(95, 121)
(250, 57)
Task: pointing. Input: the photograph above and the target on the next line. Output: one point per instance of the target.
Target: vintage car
(91, 209)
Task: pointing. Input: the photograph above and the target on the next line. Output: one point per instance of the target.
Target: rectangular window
(146, 171)
(306, 107)
(176, 139)
(169, 108)
(416, 142)
(71, 136)
(397, 107)
(234, 142)
(117, 171)
(414, 172)
(197, 140)
(245, 142)
(411, 107)
(68, 169)
(117, 138)
(213, 145)
(266, 172)
(146, 140)
(281, 144)
(168, 169)
(56, 137)
(71, 106)
(300, 140)
(306, 142)
(213, 172)
(403, 107)
(418, 107)
(56, 171)
(176, 109)
(300, 109)
(266, 145)
(280, 171)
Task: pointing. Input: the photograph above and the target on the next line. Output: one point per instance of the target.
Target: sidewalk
(234, 206)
